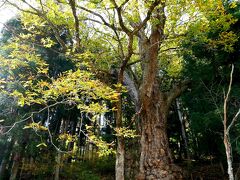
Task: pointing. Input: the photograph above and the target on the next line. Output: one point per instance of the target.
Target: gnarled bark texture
(155, 160)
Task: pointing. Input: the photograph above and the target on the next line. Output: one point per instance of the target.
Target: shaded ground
(202, 171)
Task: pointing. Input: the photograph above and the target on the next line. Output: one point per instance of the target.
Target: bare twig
(30, 116)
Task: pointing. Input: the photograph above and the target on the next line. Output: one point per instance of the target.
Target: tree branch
(134, 62)
(42, 15)
(100, 16)
(149, 14)
(176, 91)
(233, 120)
(120, 19)
(77, 35)
(158, 29)
(226, 99)
(31, 114)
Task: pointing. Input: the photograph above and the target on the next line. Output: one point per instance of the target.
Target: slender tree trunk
(226, 127)
(183, 132)
(229, 156)
(120, 159)
(3, 168)
(18, 157)
(63, 129)
(5, 160)
(73, 132)
(22, 168)
(119, 166)
(15, 166)
(57, 167)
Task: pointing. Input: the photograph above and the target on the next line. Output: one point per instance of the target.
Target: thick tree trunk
(155, 160)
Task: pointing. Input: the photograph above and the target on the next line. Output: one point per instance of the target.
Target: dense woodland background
(120, 89)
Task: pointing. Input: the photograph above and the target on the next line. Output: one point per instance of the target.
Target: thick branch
(176, 91)
(123, 4)
(120, 18)
(149, 50)
(158, 29)
(149, 14)
(134, 62)
(74, 12)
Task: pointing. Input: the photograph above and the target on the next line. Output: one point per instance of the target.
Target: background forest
(120, 89)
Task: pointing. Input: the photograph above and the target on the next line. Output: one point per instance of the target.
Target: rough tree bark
(155, 155)
(155, 159)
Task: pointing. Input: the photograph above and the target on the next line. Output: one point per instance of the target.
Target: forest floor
(105, 171)
(203, 171)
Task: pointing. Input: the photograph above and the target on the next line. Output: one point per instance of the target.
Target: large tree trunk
(155, 160)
